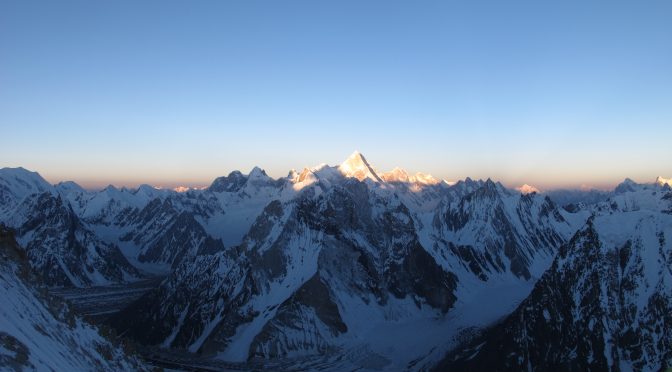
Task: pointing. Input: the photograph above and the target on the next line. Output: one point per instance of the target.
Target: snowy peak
(144, 193)
(231, 183)
(417, 181)
(257, 178)
(357, 167)
(527, 189)
(396, 175)
(660, 181)
(21, 182)
(147, 190)
(425, 179)
(257, 173)
(627, 185)
(236, 181)
(183, 189)
(66, 187)
(18, 184)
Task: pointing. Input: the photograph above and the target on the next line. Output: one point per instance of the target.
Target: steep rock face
(203, 293)
(165, 233)
(231, 183)
(604, 304)
(494, 231)
(368, 253)
(40, 333)
(288, 331)
(293, 250)
(64, 251)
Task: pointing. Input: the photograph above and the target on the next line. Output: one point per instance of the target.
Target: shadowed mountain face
(39, 332)
(343, 258)
(388, 269)
(297, 263)
(604, 304)
(64, 251)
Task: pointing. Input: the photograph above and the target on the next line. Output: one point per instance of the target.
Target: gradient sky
(554, 94)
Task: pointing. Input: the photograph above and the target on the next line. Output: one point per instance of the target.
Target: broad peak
(395, 175)
(425, 179)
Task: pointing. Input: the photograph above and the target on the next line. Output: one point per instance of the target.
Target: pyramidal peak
(257, 172)
(356, 166)
(663, 181)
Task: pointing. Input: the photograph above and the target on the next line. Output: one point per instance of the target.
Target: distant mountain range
(360, 269)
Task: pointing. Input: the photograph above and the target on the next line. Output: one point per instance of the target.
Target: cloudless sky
(550, 93)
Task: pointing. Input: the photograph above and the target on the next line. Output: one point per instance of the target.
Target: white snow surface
(663, 181)
(54, 338)
(527, 189)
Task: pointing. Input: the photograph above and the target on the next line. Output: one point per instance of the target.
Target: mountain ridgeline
(349, 268)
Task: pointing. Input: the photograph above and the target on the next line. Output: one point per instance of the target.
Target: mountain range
(351, 268)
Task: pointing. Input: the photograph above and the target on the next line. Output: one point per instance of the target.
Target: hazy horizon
(168, 183)
(165, 93)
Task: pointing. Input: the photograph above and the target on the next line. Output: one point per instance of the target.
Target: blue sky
(554, 94)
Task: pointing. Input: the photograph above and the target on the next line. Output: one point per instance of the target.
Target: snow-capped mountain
(362, 268)
(103, 207)
(165, 232)
(15, 185)
(63, 249)
(663, 181)
(527, 189)
(357, 167)
(604, 304)
(340, 256)
(38, 332)
(577, 199)
(60, 245)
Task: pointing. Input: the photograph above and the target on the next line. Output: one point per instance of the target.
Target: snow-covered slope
(606, 302)
(40, 333)
(377, 270)
(64, 250)
(104, 206)
(347, 260)
(577, 199)
(15, 185)
(660, 181)
(164, 232)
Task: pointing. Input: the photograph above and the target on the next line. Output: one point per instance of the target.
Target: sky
(549, 93)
